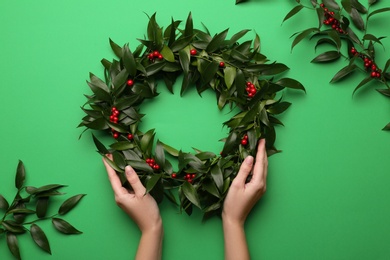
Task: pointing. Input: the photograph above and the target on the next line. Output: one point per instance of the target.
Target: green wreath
(241, 78)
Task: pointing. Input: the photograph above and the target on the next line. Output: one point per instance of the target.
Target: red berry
(189, 180)
(250, 95)
(160, 57)
(156, 54)
(130, 136)
(150, 56)
(188, 176)
(193, 175)
(244, 141)
(130, 82)
(193, 51)
(115, 135)
(378, 74)
(173, 175)
(373, 74)
(147, 160)
(248, 84)
(245, 136)
(156, 167)
(222, 64)
(373, 67)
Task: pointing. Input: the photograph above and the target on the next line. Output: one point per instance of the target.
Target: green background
(328, 191)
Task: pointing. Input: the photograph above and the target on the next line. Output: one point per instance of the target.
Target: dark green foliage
(206, 61)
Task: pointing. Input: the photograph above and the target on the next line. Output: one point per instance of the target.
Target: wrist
(156, 228)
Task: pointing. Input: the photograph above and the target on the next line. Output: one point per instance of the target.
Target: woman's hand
(142, 208)
(241, 198)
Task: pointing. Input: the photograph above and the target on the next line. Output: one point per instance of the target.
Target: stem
(39, 219)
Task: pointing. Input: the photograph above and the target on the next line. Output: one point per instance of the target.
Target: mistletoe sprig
(334, 29)
(241, 78)
(30, 201)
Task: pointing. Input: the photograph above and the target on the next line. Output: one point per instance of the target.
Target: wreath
(241, 78)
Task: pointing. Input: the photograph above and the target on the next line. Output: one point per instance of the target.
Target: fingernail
(249, 160)
(128, 170)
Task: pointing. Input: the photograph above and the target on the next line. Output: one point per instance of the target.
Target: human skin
(241, 198)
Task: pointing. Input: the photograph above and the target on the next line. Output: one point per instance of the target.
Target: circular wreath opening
(241, 78)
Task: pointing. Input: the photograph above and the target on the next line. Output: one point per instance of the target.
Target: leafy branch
(30, 201)
(334, 29)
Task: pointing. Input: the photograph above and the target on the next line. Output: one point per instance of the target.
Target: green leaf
(188, 31)
(147, 140)
(116, 48)
(191, 194)
(217, 175)
(231, 142)
(160, 155)
(70, 203)
(267, 69)
(122, 146)
(279, 108)
(210, 187)
(385, 92)
(3, 203)
(371, 2)
(343, 72)
(20, 175)
(362, 83)
(378, 11)
(154, 68)
(216, 42)
(387, 127)
(41, 207)
(40, 238)
(129, 61)
(290, 83)
(13, 246)
(21, 211)
(184, 57)
(230, 75)
(303, 35)
(152, 182)
(101, 148)
(172, 151)
(13, 227)
(357, 19)
(64, 227)
(371, 37)
(358, 6)
(327, 56)
(209, 72)
(346, 5)
(167, 53)
(331, 4)
(140, 165)
(238, 36)
(293, 12)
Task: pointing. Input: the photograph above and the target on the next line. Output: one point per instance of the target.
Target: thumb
(134, 181)
(245, 169)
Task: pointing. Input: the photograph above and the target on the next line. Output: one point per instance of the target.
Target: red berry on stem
(188, 176)
(150, 56)
(244, 141)
(156, 54)
(373, 74)
(156, 167)
(222, 64)
(173, 175)
(193, 51)
(115, 135)
(193, 175)
(130, 82)
(160, 57)
(130, 136)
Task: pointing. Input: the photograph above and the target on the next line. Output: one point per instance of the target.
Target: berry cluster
(331, 21)
(189, 177)
(152, 56)
(153, 164)
(250, 89)
(244, 140)
(369, 64)
(114, 115)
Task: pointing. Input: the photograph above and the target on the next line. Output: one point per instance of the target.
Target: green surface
(328, 191)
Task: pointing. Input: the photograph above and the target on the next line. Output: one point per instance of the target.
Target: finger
(261, 164)
(245, 170)
(134, 181)
(112, 176)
